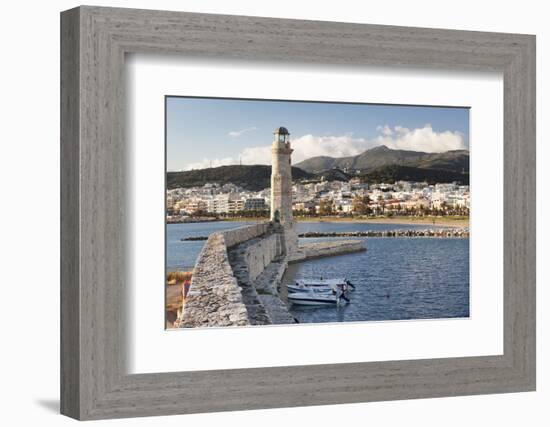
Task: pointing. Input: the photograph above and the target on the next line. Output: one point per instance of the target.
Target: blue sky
(203, 131)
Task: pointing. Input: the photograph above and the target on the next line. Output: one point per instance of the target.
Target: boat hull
(309, 299)
(313, 302)
(322, 283)
(320, 290)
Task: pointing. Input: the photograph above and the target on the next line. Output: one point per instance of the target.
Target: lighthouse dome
(282, 131)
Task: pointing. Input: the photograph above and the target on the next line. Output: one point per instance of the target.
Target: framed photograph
(261, 213)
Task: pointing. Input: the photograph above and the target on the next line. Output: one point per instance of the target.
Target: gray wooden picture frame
(94, 41)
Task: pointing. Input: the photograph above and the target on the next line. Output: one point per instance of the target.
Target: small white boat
(298, 287)
(322, 282)
(327, 285)
(317, 298)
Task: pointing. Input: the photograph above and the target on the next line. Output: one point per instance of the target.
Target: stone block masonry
(260, 252)
(215, 296)
(259, 265)
(242, 234)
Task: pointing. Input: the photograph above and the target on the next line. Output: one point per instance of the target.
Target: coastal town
(321, 198)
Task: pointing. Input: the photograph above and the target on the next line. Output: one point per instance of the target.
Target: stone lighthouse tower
(281, 187)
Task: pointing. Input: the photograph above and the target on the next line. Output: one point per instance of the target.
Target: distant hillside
(379, 164)
(250, 177)
(333, 175)
(318, 164)
(394, 173)
(456, 160)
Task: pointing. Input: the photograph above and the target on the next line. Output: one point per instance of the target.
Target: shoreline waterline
(449, 222)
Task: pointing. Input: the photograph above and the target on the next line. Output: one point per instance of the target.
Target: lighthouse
(281, 187)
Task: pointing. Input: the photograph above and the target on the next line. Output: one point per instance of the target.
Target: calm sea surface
(396, 278)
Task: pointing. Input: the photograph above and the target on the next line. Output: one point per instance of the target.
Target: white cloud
(307, 146)
(385, 130)
(256, 155)
(334, 146)
(237, 133)
(422, 139)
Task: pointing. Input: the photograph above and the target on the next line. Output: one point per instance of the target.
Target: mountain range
(379, 164)
(455, 160)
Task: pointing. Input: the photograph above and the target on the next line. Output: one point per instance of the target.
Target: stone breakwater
(215, 297)
(444, 232)
(325, 249)
(189, 220)
(193, 238)
(259, 265)
(238, 273)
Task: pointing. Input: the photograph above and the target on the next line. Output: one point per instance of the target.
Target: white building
(255, 204)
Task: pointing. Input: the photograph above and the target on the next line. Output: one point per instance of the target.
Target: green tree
(360, 205)
(326, 207)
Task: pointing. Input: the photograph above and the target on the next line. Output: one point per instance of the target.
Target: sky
(210, 132)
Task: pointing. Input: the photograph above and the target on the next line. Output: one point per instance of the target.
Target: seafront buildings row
(323, 198)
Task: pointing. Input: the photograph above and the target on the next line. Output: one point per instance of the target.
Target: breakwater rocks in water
(190, 220)
(440, 232)
(444, 232)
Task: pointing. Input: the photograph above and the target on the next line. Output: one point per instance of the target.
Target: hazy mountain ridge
(393, 173)
(377, 165)
(455, 160)
(249, 177)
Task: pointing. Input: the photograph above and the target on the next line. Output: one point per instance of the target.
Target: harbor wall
(242, 234)
(325, 249)
(215, 297)
(258, 255)
(263, 247)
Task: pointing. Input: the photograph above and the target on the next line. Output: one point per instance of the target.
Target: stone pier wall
(258, 255)
(215, 297)
(325, 249)
(242, 234)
